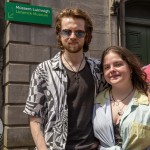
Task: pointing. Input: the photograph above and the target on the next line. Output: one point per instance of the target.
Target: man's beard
(73, 49)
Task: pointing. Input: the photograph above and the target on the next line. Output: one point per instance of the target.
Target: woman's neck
(119, 92)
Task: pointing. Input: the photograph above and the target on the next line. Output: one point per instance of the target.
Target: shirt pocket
(139, 137)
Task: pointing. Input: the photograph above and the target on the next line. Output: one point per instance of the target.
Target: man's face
(72, 34)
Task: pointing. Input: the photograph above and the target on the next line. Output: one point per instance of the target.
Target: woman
(121, 117)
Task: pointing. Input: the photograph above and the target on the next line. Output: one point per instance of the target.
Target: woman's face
(116, 70)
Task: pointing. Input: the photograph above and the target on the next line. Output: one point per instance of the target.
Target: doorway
(138, 41)
(137, 24)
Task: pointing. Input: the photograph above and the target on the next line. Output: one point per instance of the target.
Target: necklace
(118, 101)
(76, 72)
(120, 110)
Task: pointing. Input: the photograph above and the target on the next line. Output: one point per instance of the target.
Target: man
(62, 89)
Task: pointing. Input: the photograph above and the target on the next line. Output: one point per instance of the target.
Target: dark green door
(138, 41)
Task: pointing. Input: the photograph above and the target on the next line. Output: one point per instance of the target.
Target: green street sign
(28, 13)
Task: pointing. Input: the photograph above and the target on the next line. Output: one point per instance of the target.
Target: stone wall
(26, 45)
(2, 28)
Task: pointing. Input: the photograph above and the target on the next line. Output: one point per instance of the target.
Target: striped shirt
(47, 98)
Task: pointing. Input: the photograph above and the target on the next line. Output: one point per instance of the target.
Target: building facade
(25, 45)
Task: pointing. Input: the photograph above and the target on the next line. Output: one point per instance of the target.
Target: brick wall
(26, 45)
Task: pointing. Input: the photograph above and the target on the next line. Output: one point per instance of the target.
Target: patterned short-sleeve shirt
(47, 98)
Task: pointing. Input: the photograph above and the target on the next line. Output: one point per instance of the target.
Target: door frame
(123, 19)
(137, 40)
(135, 21)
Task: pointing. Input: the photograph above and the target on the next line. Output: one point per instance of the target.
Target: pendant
(120, 112)
(117, 103)
(77, 78)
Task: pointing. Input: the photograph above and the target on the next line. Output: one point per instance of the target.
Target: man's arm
(35, 125)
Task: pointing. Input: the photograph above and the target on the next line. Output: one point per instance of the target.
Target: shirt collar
(138, 98)
(57, 62)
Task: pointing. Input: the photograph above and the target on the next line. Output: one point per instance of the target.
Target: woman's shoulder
(102, 96)
(141, 98)
(143, 106)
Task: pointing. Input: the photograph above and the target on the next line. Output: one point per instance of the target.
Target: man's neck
(73, 58)
(73, 61)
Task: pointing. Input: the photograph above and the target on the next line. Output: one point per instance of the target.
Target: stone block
(18, 33)
(31, 148)
(14, 115)
(16, 93)
(100, 23)
(98, 7)
(27, 53)
(28, 148)
(17, 137)
(59, 4)
(96, 54)
(114, 39)
(113, 24)
(100, 41)
(15, 148)
(20, 1)
(54, 14)
(17, 73)
(54, 51)
(44, 36)
(32, 68)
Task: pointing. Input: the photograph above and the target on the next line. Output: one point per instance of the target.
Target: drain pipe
(115, 11)
(109, 22)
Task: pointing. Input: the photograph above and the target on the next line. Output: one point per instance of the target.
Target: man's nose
(73, 35)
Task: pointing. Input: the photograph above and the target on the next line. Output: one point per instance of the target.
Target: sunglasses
(67, 33)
